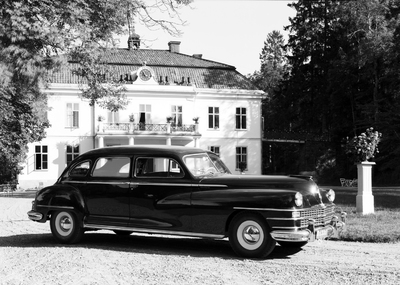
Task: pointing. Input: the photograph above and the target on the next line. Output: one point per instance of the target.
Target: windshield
(219, 164)
(202, 164)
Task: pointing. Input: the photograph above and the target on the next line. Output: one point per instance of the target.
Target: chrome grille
(321, 215)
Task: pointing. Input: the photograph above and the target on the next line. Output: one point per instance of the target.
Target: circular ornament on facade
(145, 74)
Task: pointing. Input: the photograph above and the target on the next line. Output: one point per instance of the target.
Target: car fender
(60, 197)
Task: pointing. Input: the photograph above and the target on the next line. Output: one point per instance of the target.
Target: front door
(160, 195)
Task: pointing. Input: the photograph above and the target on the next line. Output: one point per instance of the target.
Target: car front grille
(321, 214)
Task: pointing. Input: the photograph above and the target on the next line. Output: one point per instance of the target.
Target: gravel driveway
(29, 255)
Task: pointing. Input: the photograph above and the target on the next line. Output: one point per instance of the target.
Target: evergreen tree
(343, 75)
(269, 78)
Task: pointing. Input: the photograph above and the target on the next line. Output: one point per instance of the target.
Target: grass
(381, 227)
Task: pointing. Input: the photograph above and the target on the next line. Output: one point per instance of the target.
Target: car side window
(158, 167)
(80, 170)
(112, 167)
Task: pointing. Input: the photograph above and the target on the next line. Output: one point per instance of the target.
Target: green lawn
(382, 226)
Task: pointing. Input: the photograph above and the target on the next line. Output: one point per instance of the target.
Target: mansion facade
(174, 99)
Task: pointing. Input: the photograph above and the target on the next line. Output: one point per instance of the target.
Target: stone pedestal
(365, 199)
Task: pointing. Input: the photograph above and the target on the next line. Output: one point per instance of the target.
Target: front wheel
(65, 227)
(249, 236)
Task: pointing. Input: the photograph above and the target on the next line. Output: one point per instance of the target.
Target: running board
(151, 231)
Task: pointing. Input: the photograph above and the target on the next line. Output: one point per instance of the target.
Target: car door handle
(149, 195)
(134, 185)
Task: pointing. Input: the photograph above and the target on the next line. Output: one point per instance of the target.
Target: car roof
(142, 149)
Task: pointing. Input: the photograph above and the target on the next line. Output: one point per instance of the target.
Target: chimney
(198, 55)
(174, 46)
(133, 41)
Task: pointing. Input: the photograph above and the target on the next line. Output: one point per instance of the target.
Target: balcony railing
(141, 127)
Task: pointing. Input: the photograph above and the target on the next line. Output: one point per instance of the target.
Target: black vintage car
(188, 192)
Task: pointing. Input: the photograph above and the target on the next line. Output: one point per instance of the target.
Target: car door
(107, 191)
(160, 195)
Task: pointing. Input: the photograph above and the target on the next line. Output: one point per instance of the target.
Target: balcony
(146, 129)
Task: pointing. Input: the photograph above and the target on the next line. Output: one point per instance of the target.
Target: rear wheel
(65, 227)
(249, 236)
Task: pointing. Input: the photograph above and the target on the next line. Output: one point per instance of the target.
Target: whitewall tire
(65, 227)
(249, 236)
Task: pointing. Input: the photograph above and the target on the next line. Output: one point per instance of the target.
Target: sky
(227, 31)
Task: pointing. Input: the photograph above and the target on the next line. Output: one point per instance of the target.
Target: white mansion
(161, 84)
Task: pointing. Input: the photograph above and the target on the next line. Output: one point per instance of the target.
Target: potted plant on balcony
(100, 119)
(196, 124)
(169, 120)
(131, 121)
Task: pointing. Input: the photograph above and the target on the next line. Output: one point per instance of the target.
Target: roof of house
(166, 64)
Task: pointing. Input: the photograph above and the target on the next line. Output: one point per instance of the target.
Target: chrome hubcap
(65, 223)
(251, 234)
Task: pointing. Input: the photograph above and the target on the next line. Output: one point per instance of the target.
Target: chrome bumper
(35, 216)
(332, 230)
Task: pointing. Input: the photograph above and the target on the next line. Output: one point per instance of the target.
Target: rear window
(80, 170)
(112, 167)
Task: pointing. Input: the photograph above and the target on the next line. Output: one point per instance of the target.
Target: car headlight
(330, 195)
(314, 189)
(298, 199)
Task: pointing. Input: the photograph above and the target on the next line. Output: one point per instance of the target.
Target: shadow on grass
(142, 244)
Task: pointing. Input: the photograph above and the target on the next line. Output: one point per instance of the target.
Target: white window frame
(72, 111)
(213, 118)
(73, 152)
(41, 157)
(241, 118)
(241, 156)
(113, 117)
(146, 110)
(177, 115)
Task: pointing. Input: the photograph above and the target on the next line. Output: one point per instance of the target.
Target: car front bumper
(332, 230)
(35, 216)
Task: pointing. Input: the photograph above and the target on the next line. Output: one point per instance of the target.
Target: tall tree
(374, 55)
(32, 32)
(269, 78)
(312, 43)
(344, 57)
(273, 63)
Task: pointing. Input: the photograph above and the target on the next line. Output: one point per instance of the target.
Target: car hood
(264, 187)
(296, 183)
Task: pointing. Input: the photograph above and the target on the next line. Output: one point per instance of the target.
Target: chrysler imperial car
(185, 191)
